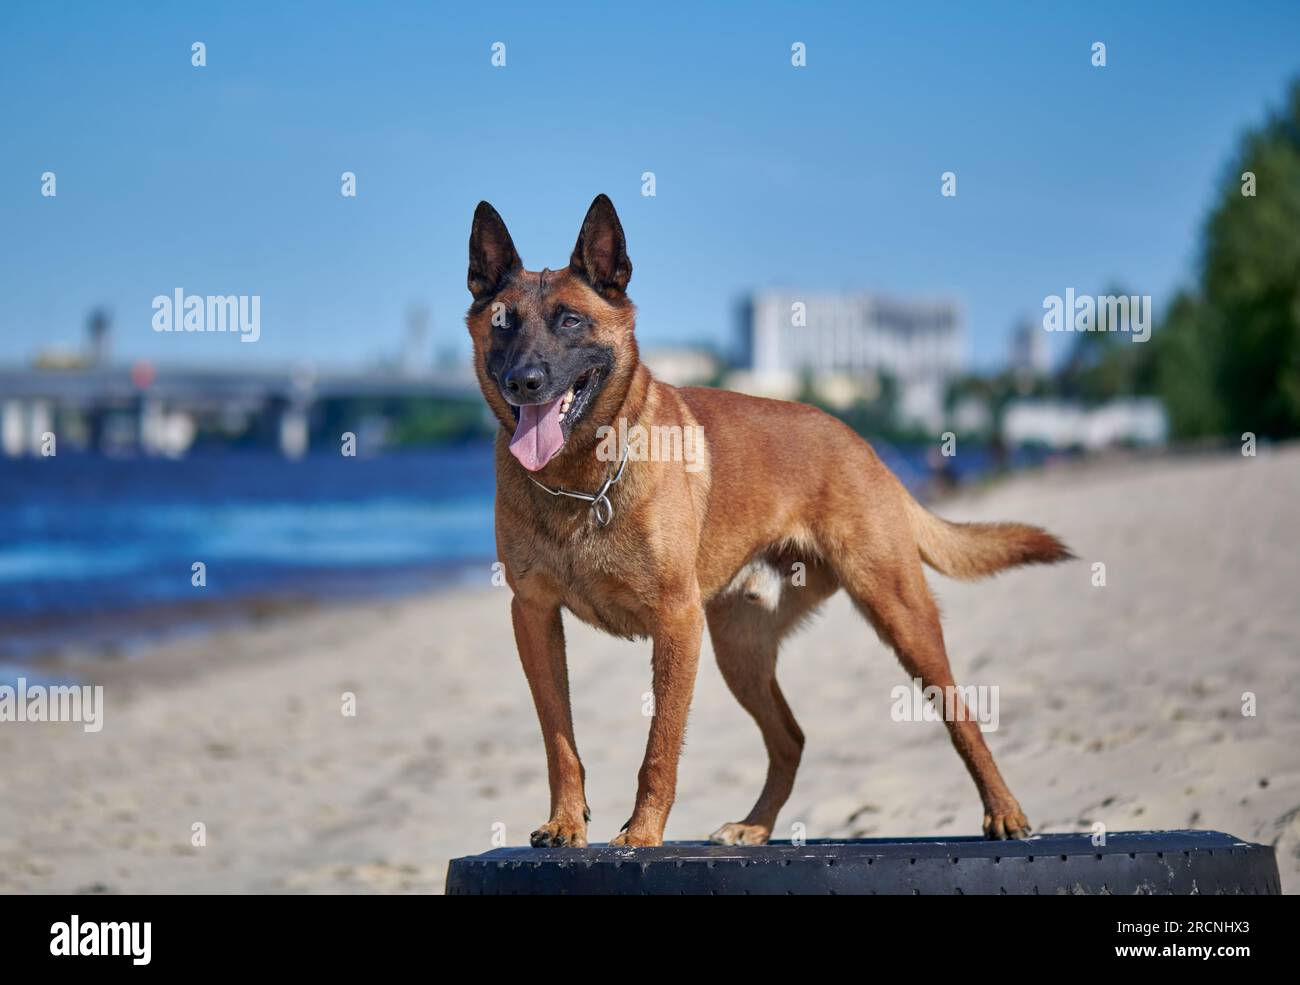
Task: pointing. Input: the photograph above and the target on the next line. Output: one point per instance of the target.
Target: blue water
(92, 534)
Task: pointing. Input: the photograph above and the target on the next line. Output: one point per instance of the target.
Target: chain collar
(601, 508)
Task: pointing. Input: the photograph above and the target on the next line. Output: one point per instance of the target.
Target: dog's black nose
(525, 380)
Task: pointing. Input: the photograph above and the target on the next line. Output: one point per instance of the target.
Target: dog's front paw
(559, 834)
(741, 834)
(636, 840)
(1006, 823)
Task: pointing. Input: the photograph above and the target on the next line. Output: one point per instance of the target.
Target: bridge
(156, 407)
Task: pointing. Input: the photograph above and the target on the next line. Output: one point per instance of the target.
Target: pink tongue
(538, 436)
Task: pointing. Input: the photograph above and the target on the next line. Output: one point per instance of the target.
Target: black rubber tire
(1131, 862)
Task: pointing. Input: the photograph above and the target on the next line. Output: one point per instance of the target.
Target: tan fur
(785, 492)
(975, 550)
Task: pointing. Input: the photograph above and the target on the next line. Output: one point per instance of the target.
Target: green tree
(1229, 351)
(1107, 364)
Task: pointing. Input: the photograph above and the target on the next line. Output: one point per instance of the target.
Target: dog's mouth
(543, 428)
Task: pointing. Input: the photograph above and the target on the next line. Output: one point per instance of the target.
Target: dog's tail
(975, 550)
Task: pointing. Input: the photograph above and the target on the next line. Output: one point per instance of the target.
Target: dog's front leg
(539, 634)
(676, 660)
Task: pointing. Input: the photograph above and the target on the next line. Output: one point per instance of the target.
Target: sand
(1119, 705)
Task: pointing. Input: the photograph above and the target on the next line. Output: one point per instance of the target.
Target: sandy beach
(1119, 704)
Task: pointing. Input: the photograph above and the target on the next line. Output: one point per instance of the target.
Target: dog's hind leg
(745, 644)
(893, 595)
(746, 629)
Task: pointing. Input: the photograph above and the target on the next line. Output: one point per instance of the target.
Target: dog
(652, 548)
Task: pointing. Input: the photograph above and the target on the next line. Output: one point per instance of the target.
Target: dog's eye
(570, 321)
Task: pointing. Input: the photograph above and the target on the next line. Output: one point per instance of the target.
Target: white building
(682, 366)
(1063, 424)
(921, 344)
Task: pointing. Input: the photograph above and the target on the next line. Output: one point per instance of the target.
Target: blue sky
(225, 179)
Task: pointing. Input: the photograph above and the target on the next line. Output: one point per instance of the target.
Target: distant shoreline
(64, 645)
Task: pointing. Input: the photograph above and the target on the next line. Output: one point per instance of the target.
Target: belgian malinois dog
(658, 548)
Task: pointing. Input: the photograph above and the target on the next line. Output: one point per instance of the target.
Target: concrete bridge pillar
(40, 420)
(13, 430)
(294, 427)
(152, 424)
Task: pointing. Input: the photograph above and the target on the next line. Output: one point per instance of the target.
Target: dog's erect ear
(601, 253)
(492, 255)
